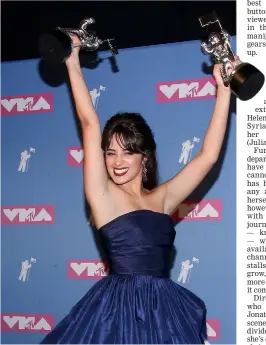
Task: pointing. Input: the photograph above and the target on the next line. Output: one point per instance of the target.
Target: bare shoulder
(110, 205)
(117, 202)
(157, 198)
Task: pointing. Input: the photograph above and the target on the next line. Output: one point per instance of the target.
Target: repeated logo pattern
(77, 269)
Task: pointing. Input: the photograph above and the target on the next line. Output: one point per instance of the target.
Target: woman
(136, 303)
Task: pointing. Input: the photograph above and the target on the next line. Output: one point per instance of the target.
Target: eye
(129, 153)
(109, 153)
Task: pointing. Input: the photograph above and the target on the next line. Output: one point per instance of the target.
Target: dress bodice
(135, 303)
(140, 243)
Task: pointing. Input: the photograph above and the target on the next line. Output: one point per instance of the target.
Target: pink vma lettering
(38, 103)
(37, 214)
(213, 329)
(185, 90)
(199, 210)
(87, 269)
(31, 323)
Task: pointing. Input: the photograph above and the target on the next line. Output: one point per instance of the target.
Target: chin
(120, 180)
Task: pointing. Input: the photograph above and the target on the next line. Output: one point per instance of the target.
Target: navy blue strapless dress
(136, 303)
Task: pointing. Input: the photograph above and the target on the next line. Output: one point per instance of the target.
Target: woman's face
(123, 166)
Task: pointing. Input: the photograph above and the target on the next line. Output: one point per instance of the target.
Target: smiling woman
(128, 143)
(136, 303)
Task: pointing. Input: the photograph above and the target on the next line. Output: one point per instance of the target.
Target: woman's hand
(218, 77)
(76, 49)
(76, 43)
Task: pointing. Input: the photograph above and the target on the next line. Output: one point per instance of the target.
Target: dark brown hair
(133, 134)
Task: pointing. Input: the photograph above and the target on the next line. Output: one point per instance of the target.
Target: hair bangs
(126, 139)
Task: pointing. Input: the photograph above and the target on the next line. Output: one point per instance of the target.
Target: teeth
(121, 171)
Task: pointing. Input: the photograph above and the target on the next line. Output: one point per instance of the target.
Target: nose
(118, 160)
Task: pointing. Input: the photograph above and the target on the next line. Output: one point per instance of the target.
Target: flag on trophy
(32, 260)
(28, 161)
(97, 96)
(195, 140)
(196, 260)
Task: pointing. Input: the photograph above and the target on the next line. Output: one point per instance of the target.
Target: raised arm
(175, 190)
(95, 175)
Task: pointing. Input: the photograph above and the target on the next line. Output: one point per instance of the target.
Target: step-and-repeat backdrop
(50, 257)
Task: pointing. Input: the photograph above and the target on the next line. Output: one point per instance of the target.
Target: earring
(144, 173)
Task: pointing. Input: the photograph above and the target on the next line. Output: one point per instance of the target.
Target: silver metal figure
(219, 46)
(244, 79)
(88, 39)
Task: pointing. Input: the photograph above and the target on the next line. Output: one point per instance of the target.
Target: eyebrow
(115, 150)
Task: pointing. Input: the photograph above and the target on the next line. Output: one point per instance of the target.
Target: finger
(218, 66)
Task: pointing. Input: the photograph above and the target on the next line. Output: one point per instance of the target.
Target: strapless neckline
(131, 213)
(136, 303)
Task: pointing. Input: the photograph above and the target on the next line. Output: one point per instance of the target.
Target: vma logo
(38, 103)
(87, 269)
(185, 90)
(203, 210)
(75, 156)
(31, 323)
(38, 214)
(213, 329)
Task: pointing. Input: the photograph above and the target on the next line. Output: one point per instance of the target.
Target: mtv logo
(213, 329)
(87, 269)
(25, 104)
(30, 323)
(185, 90)
(75, 156)
(209, 209)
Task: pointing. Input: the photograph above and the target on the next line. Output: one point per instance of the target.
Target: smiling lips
(120, 172)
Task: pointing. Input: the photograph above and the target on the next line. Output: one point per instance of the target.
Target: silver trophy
(244, 79)
(57, 45)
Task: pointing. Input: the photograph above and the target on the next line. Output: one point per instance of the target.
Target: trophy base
(246, 82)
(55, 46)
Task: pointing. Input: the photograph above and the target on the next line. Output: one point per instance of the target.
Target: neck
(134, 188)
